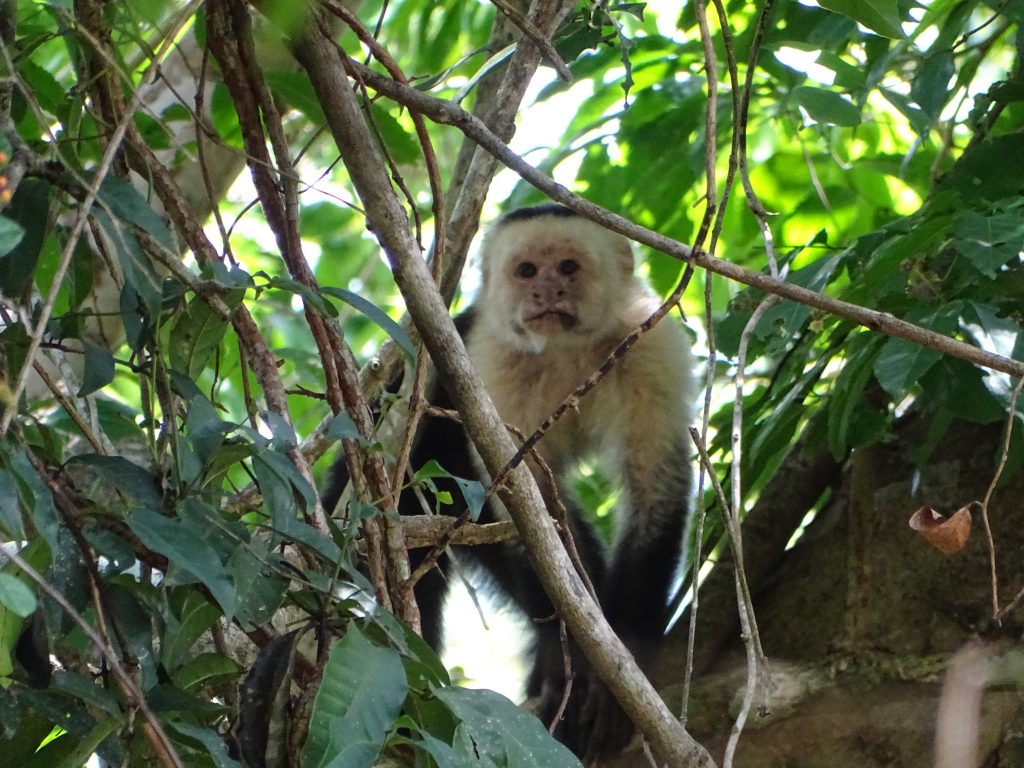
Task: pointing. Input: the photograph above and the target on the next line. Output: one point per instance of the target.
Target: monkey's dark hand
(593, 725)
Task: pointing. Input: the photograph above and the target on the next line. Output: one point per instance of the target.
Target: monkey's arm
(658, 475)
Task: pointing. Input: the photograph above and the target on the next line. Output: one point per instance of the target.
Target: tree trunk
(860, 619)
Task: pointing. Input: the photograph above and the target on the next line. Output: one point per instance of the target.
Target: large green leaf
(900, 365)
(99, 368)
(15, 596)
(377, 315)
(360, 697)
(11, 526)
(195, 337)
(190, 620)
(139, 487)
(22, 230)
(503, 734)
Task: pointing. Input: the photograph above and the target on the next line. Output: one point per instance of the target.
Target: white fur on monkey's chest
(527, 388)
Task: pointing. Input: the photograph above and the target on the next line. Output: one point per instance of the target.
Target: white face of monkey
(554, 280)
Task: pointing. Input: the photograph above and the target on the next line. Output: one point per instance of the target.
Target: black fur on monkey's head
(536, 211)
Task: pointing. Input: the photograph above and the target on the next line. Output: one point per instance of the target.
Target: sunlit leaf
(880, 16)
(827, 106)
(15, 596)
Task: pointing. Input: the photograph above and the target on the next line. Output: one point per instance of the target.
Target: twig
(569, 675)
(748, 626)
(958, 722)
(539, 39)
(1005, 452)
(708, 221)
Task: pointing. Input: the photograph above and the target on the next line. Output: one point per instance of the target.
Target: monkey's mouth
(552, 319)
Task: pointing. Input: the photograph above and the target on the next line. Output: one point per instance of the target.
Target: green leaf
(261, 590)
(139, 274)
(472, 490)
(52, 96)
(989, 242)
(443, 754)
(848, 392)
(212, 742)
(36, 498)
(992, 169)
(130, 480)
(125, 202)
(880, 16)
(504, 734)
(343, 428)
(827, 107)
(11, 233)
(85, 689)
(116, 551)
(10, 512)
(196, 615)
(901, 364)
(375, 314)
(295, 89)
(24, 224)
(205, 428)
(185, 545)
(991, 332)
(959, 387)
(205, 669)
(360, 698)
(15, 596)
(195, 337)
(404, 147)
(282, 478)
(99, 368)
(931, 83)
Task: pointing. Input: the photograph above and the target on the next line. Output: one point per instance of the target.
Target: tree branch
(606, 652)
(447, 113)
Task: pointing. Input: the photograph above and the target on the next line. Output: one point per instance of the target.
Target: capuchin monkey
(559, 293)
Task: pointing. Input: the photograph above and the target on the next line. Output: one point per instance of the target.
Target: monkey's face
(548, 283)
(554, 282)
(551, 292)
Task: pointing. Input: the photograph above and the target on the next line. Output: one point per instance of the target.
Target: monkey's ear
(624, 258)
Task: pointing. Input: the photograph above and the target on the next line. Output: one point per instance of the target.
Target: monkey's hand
(593, 724)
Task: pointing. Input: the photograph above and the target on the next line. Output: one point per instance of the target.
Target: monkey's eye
(568, 266)
(526, 269)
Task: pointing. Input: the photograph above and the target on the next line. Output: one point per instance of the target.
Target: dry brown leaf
(949, 534)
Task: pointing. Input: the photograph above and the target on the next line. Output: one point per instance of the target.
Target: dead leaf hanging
(949, 534)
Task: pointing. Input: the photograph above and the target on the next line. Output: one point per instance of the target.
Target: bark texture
(861, 618)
